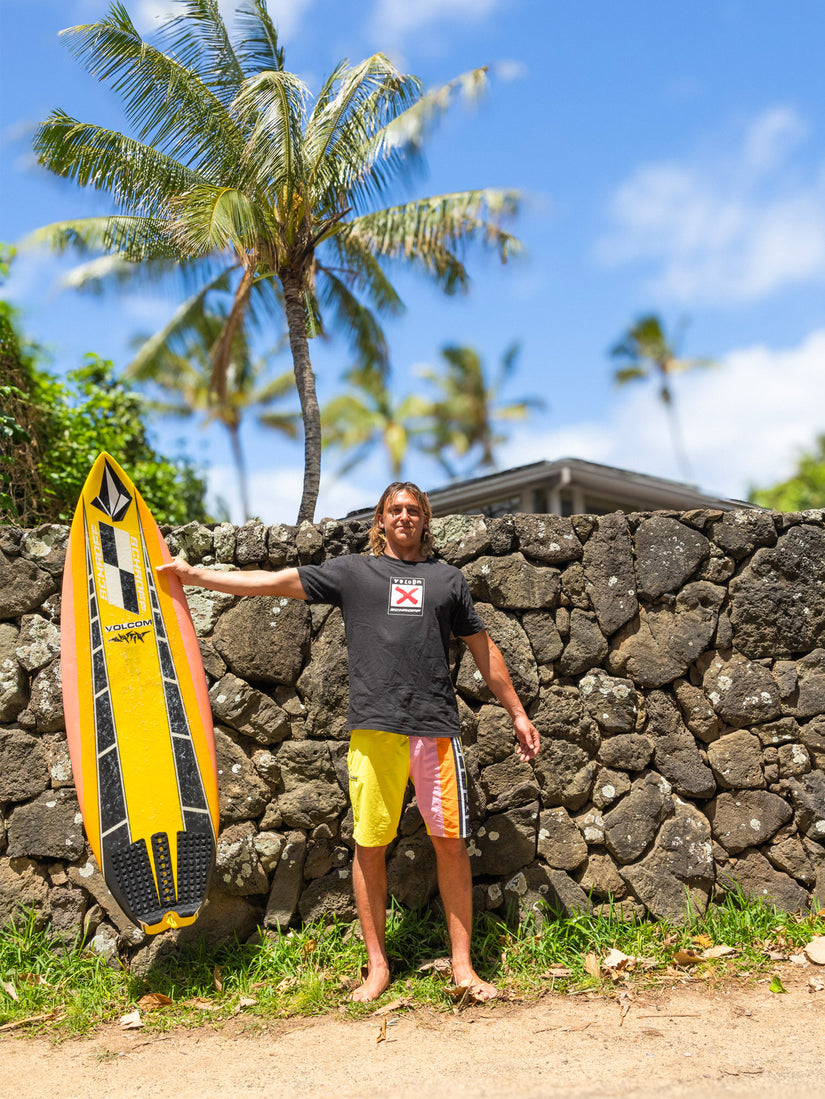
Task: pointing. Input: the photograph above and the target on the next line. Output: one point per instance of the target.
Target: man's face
(403, 521)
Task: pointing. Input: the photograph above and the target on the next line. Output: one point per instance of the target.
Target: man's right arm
(286, 582)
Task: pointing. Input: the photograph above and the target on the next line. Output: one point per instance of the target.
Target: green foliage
(806, 489)
(310, 971)
(52, 431)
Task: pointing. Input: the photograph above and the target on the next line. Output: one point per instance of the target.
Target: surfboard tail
(155, 901)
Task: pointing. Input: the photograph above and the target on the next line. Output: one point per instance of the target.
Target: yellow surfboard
(137, 710)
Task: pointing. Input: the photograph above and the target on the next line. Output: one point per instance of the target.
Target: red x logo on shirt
(411, 594)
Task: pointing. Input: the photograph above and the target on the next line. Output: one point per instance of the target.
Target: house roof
(628, 489)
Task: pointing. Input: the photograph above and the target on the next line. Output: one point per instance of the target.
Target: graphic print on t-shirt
(406, 595)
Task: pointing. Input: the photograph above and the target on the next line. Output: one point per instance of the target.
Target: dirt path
(739, 1039)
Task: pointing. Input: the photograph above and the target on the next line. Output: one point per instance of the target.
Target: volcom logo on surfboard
(112, 497)
(406, 595)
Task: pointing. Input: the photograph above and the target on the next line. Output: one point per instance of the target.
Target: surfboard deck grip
(163, 870)
(196, 855)
(132, 872)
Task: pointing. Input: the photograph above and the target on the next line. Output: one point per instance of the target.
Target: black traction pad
(133, 883)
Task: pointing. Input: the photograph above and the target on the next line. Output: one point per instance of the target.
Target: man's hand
(176, 565)
(528, 738)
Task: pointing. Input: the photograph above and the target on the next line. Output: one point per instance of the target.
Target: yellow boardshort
(380, 765)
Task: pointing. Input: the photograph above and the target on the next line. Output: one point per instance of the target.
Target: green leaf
(776, 986)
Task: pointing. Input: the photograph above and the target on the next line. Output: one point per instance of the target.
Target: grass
(46, 987)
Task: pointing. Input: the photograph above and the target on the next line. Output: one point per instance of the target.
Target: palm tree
(368, 416)
(646, 353)
(236, 177)
(182, 368)
(464, 418)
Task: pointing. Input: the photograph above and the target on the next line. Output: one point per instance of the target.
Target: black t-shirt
(398, 617)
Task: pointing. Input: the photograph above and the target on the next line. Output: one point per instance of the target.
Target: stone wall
(673, 663)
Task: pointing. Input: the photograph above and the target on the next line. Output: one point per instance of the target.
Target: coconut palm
(182, 370)
(465, 416)
(368, 416)
(646, 353)
(239, 179)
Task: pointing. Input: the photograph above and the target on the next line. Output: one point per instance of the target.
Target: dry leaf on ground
(47, 1017)
(686, 957)
(556, 971)
(393, 1005)
(132, 1021)
(816, 984)
(592, 965)
(815, 950)
(704, 941)
(721, 951)
(10, 990)
(439, 965)
(217, 977)
(201, 1003)
(153, 1000)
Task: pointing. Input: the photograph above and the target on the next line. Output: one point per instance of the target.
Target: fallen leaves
(393, 1005)
(132, 1021)
(814, 951)
(153, 1000)
(776, 985)
(30, 1020)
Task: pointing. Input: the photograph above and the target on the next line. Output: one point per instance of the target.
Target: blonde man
(400, 608)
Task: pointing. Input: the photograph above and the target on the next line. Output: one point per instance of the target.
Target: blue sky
(671, 158)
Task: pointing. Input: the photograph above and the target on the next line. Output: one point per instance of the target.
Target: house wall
(673, 663)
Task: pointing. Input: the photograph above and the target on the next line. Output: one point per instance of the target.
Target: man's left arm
(490, 663)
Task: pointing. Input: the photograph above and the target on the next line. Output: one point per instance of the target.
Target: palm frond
(359, 269)
(177, 334)
(359, 324)
(629, 374)
(258, 49)
(272, 106)
(95, 234)
(431, 225)
(199, 40)
(168, 103)
(210, 218)
(288, 423)
(139, 177)
(346, 117)
(395, 148)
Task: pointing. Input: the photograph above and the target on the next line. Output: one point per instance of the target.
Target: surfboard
(138, 718)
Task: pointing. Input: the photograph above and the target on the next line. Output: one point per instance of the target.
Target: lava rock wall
(673, 663)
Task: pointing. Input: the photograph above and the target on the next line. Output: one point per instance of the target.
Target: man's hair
(378, 540)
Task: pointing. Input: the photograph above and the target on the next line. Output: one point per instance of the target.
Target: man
(400, 608)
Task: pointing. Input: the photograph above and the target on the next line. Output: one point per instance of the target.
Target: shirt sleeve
(323, 583)
(466, 619)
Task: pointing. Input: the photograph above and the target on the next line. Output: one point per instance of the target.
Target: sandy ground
(738, 1039)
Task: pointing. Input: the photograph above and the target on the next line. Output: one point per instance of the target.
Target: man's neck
(404, 553)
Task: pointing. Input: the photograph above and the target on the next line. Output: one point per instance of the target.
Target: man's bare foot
(378, 978)
(466, 977)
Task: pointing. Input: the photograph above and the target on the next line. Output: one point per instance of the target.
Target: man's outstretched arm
(257, 582)
(490, 663)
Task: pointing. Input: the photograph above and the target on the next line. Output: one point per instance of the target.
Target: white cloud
(744, 422)
(394, 20)
(725, 226)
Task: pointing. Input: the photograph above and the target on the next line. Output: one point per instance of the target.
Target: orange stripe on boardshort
(381, 763)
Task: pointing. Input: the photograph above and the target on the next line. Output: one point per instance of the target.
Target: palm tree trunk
(240, 466)
(305, 382)
(222, 349)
